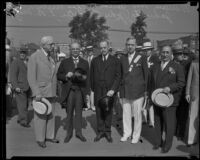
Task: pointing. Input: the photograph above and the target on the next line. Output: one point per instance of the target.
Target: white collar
(105, 56)
(46, 54)
(77, 58)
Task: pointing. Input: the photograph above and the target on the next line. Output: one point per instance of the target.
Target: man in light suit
(133, 90)
(169, 76)
(42, 80)
(20, 86)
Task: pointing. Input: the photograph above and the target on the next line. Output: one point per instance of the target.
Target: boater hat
(162, 99)
(42, 107)
(147, 45)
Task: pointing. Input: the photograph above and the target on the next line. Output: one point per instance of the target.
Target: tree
(138, 29)
(88, 29)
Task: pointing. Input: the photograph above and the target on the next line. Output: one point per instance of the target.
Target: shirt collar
(75, 58)
(46, 54)
(106, 56)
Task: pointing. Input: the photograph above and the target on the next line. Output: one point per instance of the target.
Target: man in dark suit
(169, 76)
(18, 78)
(73, 94)
(105, 79)
(133, 90)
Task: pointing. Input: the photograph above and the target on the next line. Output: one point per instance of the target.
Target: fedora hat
(162, 99)
(147, 45)
(79, 76)
(42, 107)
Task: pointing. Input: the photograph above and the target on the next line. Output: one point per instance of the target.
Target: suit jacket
(42, 75)
(134, 83)
(67, 65)
(104, 75)
(192, 87)
(18, 75)
(172, 76)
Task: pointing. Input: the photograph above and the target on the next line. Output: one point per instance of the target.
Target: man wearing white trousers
(133, 90)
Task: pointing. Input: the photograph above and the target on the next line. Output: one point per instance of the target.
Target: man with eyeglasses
(73, 94)
(43, 82)
(169, 76)
(133, 90)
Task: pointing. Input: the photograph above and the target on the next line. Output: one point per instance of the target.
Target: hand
(166, 90)
(187, 97)
(18, 90)
(69, 74)
(110, 93)
(38, 97)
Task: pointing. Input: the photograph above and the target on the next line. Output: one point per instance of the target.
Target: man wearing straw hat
(42, 80)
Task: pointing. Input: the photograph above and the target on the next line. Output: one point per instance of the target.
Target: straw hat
(42, 107)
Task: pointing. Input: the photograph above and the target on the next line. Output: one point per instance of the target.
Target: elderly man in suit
(169, 76)
(42, 80)
(105, 78)
(133, 90)
(18, 78)
(73, 94)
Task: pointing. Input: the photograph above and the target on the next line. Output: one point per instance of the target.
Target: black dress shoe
(41, 144)
(109, 138)
(165, 150)
(25, 125)
(98, 137)
(52, 140)
(155, 147)
(67, 139)
(81, 137)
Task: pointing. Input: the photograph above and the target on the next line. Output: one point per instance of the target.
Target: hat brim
(162, 99)
(42, 107)
(48, 104)
(146, 48)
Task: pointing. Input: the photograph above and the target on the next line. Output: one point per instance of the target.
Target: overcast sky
(160, 18)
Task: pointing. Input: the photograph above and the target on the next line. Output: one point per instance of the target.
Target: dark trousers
(74, 102)
(165, 118)
(22, 106)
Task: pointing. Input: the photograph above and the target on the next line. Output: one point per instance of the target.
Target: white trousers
(132, 108)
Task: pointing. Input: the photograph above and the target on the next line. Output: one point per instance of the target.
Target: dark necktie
(76, 62)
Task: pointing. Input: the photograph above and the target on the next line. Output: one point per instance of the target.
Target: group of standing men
(132, 76)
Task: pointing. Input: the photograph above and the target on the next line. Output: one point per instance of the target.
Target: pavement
(20, 141)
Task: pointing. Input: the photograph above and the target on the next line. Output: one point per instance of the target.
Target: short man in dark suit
(105, 79)
(169, 76)
(73, 94)
(18, 78)
(133, 90)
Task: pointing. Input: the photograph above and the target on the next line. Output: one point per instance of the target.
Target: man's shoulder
(36, 53)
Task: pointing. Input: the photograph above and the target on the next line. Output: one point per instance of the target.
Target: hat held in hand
(42, 107)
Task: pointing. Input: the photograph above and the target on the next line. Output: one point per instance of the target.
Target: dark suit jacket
(174, 80)
(134, 83)
(18, 75)
(105, 76)
(67, 65)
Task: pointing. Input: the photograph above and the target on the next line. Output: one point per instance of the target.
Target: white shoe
(93, 108)
(134, 141)
(124, 138)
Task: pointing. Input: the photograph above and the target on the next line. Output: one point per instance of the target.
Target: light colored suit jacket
(192, 87)
(42, 75)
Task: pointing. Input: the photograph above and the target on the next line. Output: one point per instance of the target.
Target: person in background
(43, 83)
(192, 97)
(169, 76)
(133, 90)
(105, 79)
(73, 94)
(20, 86)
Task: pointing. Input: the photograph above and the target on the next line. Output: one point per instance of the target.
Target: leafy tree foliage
(88, 29)
(138, 29)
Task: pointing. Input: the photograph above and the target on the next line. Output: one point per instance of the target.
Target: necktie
(104, 58)
(162, 65)
(76, 62)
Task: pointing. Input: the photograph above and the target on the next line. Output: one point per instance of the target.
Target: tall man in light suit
(133, 90)
(42, 80)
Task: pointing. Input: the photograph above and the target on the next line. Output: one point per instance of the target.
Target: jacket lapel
(45, 59)
(108, 62)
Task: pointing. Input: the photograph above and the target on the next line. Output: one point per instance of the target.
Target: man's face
(104, 48)
(148, 52)
(75, 50)
(130, 46)
(166, 54)
(49, 47)
(22, 55)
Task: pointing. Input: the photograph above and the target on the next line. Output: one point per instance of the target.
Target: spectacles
(75, 49)
(165, 52)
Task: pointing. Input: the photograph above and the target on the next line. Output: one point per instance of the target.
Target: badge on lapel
(171, 70)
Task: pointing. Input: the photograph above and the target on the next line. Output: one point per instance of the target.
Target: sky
(160, 18)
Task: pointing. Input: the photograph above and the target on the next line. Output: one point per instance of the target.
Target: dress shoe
(124, 138)
(41, 144)
(98, 137)
(25, 125)
(81, 137)
(52, 140)
(134, 141)
(109, 138)
(165, 150)
(155, 147)
(67, 139)
(93, 108)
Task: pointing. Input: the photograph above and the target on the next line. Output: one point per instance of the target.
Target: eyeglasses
(165, 52)
(75, 49)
